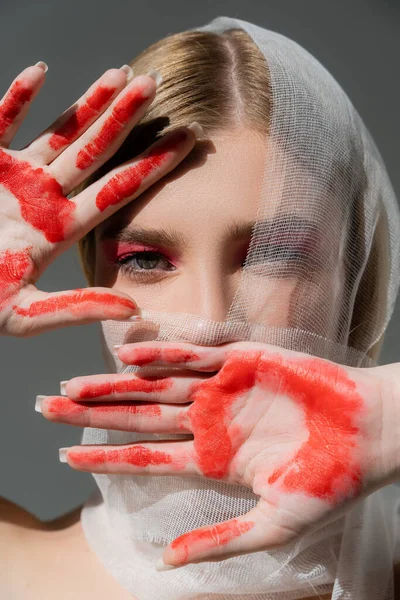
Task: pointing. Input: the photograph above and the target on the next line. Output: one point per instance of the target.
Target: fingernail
(161, 566)
(62, 453)
(62, 387)
(116, 348)
(134, 318)
(42, 65)
(38, 403)
(156, 75)
(128, 70)
(197, 130)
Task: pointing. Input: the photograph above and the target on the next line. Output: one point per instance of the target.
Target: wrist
(389, 392)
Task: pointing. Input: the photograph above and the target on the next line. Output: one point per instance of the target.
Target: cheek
(272, 306)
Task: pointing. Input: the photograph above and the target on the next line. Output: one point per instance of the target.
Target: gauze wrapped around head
(327, 224)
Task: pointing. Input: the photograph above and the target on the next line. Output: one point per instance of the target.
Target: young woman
(166, 225)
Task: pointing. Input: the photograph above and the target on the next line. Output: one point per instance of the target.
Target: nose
(205, 292)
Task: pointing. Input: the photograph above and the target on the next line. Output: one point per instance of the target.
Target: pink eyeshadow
(114, 250)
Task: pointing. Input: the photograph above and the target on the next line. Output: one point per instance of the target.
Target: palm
(288, 429)
(38, 221)
(30, 191)
(35, 216)
(305, 434)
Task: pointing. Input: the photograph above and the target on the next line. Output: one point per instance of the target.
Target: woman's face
(180, 247)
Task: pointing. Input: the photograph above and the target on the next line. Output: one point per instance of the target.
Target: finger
(112, 191)
(77, 118)
(35, 311)
(106, 135)
(16, 102)
(252, 532)
(141, 458)
(182, 354)
(143, 417)
(166, 387)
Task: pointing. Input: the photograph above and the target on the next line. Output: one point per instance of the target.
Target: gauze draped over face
(327, 223)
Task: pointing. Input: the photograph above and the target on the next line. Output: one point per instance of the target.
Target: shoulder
(16, 525)
(16, 522)
(14, 518)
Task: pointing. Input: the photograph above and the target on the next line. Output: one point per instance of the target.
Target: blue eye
(144, 261)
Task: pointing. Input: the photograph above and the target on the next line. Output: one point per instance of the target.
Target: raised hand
(307, 435)
(38, 221)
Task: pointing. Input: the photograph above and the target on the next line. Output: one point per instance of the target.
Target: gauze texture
(327, 223)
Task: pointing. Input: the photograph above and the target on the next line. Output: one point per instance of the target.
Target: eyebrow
(134, 234)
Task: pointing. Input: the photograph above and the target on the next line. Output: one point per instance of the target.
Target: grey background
(358, 41)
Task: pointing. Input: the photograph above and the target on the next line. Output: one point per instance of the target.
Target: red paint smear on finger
(85, 114)
(146, 356)
(202, 540)
(138, 456)
(108, 388)
(41, 199)
(126, 183)
(79, 303)
(14, 267)
(123, 112)
(63, 406)
(13, 103)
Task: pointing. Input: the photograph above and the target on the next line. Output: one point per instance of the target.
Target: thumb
(251, 532)
(39, 311)
(262, 528)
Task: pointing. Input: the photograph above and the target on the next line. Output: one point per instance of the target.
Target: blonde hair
(220, 80)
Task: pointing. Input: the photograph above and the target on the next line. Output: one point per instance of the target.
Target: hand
(307, 435)
(38, 221)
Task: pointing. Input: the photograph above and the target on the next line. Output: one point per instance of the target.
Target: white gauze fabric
(327, 223)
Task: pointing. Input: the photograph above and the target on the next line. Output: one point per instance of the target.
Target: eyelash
(125, 263)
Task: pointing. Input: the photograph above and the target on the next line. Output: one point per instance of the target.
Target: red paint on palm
(77, 122)
(137, 455)
(122, 113)
(106, 388)
(214, 444)
(13, 103)
(326, 466)
(145, 356)
(126, 183)
(80, 302)
(14, 266)
(208, 538)
(41, 199)
(61, 405)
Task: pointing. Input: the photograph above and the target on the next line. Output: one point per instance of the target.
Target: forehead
(216, 183)
(226, 180)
